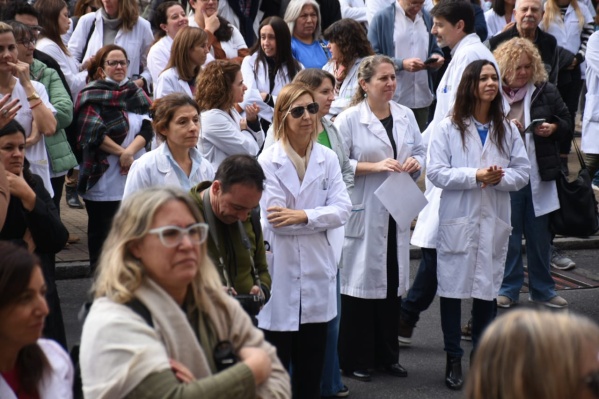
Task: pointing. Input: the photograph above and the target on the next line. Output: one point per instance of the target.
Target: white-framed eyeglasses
(171, 236)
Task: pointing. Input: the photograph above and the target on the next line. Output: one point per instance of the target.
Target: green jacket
(59, 151)
(237, 259)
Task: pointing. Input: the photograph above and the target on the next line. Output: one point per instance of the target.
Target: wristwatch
(34, 96)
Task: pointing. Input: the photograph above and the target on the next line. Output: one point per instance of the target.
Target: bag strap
(210, 219)
(579, 154)
(89, 35)
(138, 307)
(246, 243)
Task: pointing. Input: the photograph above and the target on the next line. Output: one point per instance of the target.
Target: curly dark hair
(466, 101)
(351, 39)
(214, 83)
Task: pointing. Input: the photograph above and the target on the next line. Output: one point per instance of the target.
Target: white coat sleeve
(138, 177)
(78, 39)
(344, 127)
(146, 42)
(418, 149)
(334, 213)
(165, 84)
(440, 170)
(352, 9)
(220, 131)
(156, 62)
(518, 171)
(76, 81)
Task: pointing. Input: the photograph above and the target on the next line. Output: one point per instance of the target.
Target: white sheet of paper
(402, 198)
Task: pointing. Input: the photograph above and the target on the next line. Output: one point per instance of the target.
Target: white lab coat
(169, 82)
(364, 260)
(136, 42)
(354, 9)
(68, 65)
(348, 87)
(221, 136)
(304, 269)
(495, 22)
(469, 49)
(590, 119)
(57, 382)
(257, 83)
(158, 56)
(154, 169)
(374, 6)
(475, 222)
(567, 32)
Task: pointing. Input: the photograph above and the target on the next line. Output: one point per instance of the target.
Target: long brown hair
(214, 85)
(467, 100)
(49, 12)
(186, 39)
(16, 267)
(350, 37)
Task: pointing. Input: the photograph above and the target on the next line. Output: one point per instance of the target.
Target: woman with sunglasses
(177, 332)
(188, 54)
(381, 137)
(114, 129)
(220, 88)
(304, 203)
(518, 357)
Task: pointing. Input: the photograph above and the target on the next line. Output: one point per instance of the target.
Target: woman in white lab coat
(170, 18)
(269, 67)
(476, 157)
(224, 132)
(380, 137)
(176, 162)
(303, 199)
(188, 54)
(117, 22)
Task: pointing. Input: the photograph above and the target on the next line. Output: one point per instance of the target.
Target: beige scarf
(300, 163)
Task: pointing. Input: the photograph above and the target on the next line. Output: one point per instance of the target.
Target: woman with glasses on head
(307, 46)
(30, 366)
(270, 66)
(54, 20)
(117, 22)
(178, 333)
(220, 88)
(176, 162)
(225, 40)
(518, 358)
(188, 54)
(169, 19)
(381, 137)
(303, 203)
(114, 128)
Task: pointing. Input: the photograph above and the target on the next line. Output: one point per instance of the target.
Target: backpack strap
(138, 307)
(89, 35)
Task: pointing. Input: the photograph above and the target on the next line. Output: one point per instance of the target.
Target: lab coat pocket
(455, 236)
(355, 225)
(501, 236)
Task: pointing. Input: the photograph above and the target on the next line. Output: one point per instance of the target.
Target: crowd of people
(232, 157)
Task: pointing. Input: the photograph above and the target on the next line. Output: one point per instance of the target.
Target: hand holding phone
(533, 125)
(431, 60)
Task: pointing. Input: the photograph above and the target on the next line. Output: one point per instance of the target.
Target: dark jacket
(546, 44)
(546, 103)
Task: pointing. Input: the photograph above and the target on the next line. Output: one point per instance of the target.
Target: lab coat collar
(467, 40)
(287, 173)
(375, 126)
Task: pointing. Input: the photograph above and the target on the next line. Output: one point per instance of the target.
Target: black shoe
(73, 200)
(405, 333)
(453, 373)
(360, 375)
(396, 370)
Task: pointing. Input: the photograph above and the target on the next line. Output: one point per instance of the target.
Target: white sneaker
(560, 261)
(557, 302)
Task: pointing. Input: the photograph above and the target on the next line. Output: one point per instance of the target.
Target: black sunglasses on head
(297, 112)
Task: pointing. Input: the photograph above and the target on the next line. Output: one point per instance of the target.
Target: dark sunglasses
(298, 112)
(591, 381)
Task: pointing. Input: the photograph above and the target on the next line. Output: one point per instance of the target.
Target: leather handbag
(578, 215)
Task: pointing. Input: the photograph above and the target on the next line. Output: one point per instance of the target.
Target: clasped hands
(490, 176)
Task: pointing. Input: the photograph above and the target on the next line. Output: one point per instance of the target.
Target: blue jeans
(483, 313)
(330, 382)
(538, 250)
(423, 289)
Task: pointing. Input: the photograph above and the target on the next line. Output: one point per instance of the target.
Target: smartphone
(533, 125)
(431, 60)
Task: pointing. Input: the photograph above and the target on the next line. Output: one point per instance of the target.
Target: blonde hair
(554, 15)
(120, 273)
(287, 96)
(5, 28)
(508, 55)
(128, 12)
(532, 354)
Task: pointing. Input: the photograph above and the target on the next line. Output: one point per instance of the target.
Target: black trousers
(369, 327)
(99, 220)
(57, 186)
(302, 354)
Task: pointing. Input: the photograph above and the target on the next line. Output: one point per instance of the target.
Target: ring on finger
(4, 112)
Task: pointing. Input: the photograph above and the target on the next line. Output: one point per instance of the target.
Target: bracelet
(35, 105)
